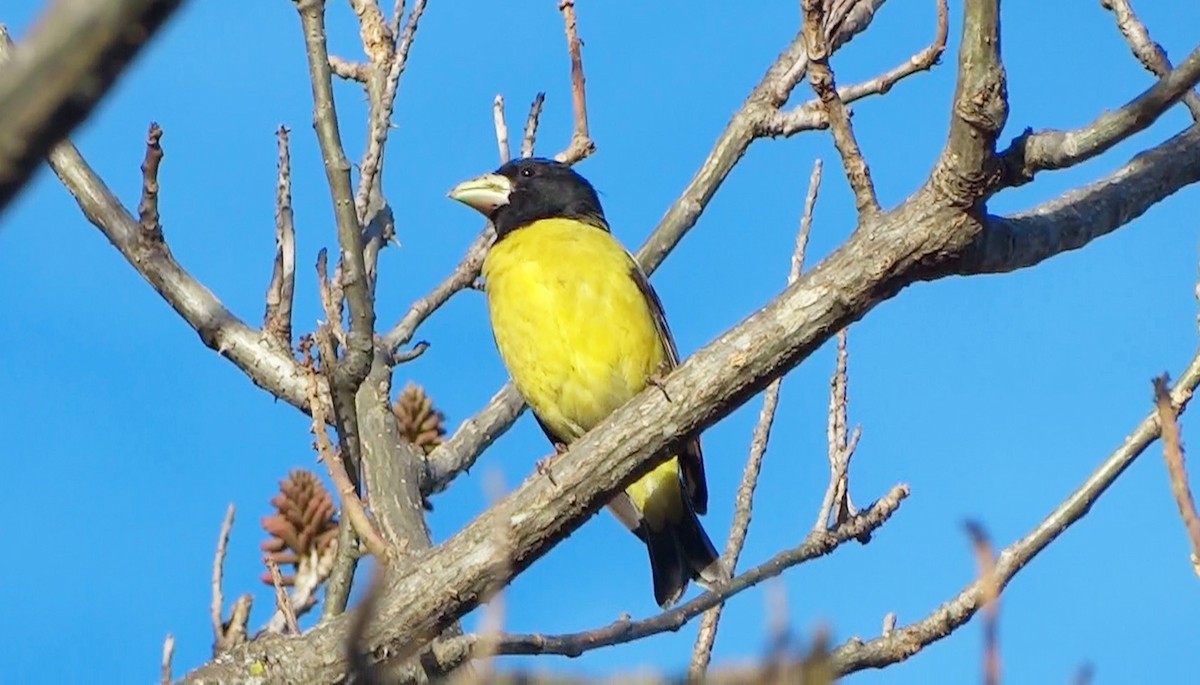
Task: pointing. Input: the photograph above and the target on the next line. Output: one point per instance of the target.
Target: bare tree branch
(277, 319)
(268, 367)
(811, 116)
(966, 171)
(345, 69)
(282, 604)
(217, 606)
(70, 59)
(1080, 216)
(985, 559)
(168, 653)
(463, 276)
(815, 545)
(311, 574)
(458, 453)
(351, 506)
(1034, 152)
(352, 368)
(835, 504)
(581, 144)
(501, 129)
(531, 125)
(395, 59)
(746, 126)
(902, 643)
(744, 500)
(820, 75)
(1149, 53)
(1168, 417)
(148, 206)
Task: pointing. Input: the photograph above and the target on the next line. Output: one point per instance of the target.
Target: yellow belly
(571, 324)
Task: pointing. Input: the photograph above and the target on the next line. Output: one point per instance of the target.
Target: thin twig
(346, 69)
(148, 205)
(216, 607)
(463, 275)
(1173, 454)
(381, 113)
(397, 15)
(277, 319)
(811, 116)
(501, 129)
(1150, 54)
(168, 654)
(352, 506)
(624, 630)
(311, 573)
(836, 504)
(529, 138)
(985, 559)
(744, 500)
(330, 298)
(282, 603)
(820, 75)
(581, 144)
(71, 57)
(902, 643)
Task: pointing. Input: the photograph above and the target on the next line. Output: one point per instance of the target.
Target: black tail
(679, 553)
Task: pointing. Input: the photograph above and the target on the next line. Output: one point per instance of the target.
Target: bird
(581, 331)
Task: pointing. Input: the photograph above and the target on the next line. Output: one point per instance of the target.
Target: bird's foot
(658, 379)
(543, 465)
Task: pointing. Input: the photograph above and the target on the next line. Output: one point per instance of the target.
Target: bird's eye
(527, 172)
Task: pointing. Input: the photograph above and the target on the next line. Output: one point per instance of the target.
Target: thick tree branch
(902, 643)
(1080, 216)
(581, 144)
(1044, 150)
(58, 73)
(966, 171)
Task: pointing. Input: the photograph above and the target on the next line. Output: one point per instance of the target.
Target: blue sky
(992, 396)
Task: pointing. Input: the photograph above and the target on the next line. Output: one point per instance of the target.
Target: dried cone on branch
(420, 423)
(303, 527)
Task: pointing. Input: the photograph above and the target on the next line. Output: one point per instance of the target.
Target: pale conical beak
(483, 194)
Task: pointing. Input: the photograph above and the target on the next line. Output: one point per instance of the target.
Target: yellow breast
(571, 324)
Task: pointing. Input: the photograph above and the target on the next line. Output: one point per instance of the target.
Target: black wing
(691, 460)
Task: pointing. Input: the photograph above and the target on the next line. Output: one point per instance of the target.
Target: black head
(525, 190)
